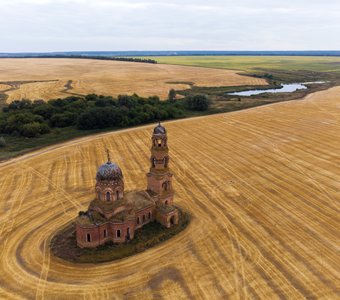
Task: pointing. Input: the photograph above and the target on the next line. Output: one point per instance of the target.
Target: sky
(117, 25)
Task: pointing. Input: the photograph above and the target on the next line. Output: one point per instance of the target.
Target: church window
(138, 220)
(159, 142)
(88, 237)
(143, 218)
(105, 233)
(149, 215)
(117, 194)
(108, 196)
(166, 185)
(118, 233)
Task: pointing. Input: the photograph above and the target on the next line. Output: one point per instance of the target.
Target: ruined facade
(115, 215)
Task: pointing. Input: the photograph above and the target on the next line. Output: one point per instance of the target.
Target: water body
(285, 88)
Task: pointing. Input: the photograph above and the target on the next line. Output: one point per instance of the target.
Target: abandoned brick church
(115, 215)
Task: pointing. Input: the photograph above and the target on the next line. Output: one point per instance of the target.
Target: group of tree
(129, 59)
(33, 118)
(197, 102)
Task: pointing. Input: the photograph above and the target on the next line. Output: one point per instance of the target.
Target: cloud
(57, 25)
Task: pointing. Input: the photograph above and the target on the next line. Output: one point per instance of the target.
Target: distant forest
(129, 59)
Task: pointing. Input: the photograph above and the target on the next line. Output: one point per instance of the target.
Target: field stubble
(110, 78)
(262, 186)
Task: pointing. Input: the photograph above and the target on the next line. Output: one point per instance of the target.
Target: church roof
(109, 171)
(159, 129)
(166, 209)
(139, 199)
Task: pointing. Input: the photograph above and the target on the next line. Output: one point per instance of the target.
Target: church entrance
(172, 220)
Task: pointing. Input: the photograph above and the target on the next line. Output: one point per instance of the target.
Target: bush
(2, 142)
(197, 102)
(172, 95)
(34, 129)
(64, 120)
(44, 110)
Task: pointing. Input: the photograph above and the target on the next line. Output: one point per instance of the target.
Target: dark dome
(159, 129)
(109, 171)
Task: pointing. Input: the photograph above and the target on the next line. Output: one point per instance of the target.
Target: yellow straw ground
(262, 186)
(110, 78)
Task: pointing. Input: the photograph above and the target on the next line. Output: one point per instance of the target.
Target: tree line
(128, 59)
(33, 118)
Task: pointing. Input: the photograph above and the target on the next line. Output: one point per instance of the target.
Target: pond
(285, 88)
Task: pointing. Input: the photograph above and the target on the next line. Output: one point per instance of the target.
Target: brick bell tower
(159, 178)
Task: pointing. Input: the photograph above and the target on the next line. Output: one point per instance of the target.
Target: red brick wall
(145, 212)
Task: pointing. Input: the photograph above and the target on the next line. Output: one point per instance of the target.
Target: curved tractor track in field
(262, 186)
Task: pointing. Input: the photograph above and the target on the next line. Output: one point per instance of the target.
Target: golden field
(4, 87)
(262, 186)
(109, 78)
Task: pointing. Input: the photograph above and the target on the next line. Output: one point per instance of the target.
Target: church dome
(109, 171)
(159, 129)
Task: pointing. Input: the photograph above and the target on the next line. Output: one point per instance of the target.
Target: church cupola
(159, 137)
(110, 184)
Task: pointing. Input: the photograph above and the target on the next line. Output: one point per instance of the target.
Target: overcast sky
(65, 25)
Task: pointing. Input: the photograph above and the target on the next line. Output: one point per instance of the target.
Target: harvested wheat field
(86, 76)
(262, 186)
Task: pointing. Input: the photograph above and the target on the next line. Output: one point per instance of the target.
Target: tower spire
(108, 155)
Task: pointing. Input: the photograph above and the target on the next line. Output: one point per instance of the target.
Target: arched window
(118, 233)
(138, 220)
(108, 196)
(143, 218)
(166, 161)
(98, 196)
(149, 215)
(165, 185)
(105, 233)
(117, 194)
(88, 237)
(159, 142)
(166, 202)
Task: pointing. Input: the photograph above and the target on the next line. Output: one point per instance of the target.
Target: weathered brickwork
(114, 215)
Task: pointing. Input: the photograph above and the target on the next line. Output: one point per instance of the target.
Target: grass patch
(18, 145)
(250, 63)
(63, 244)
